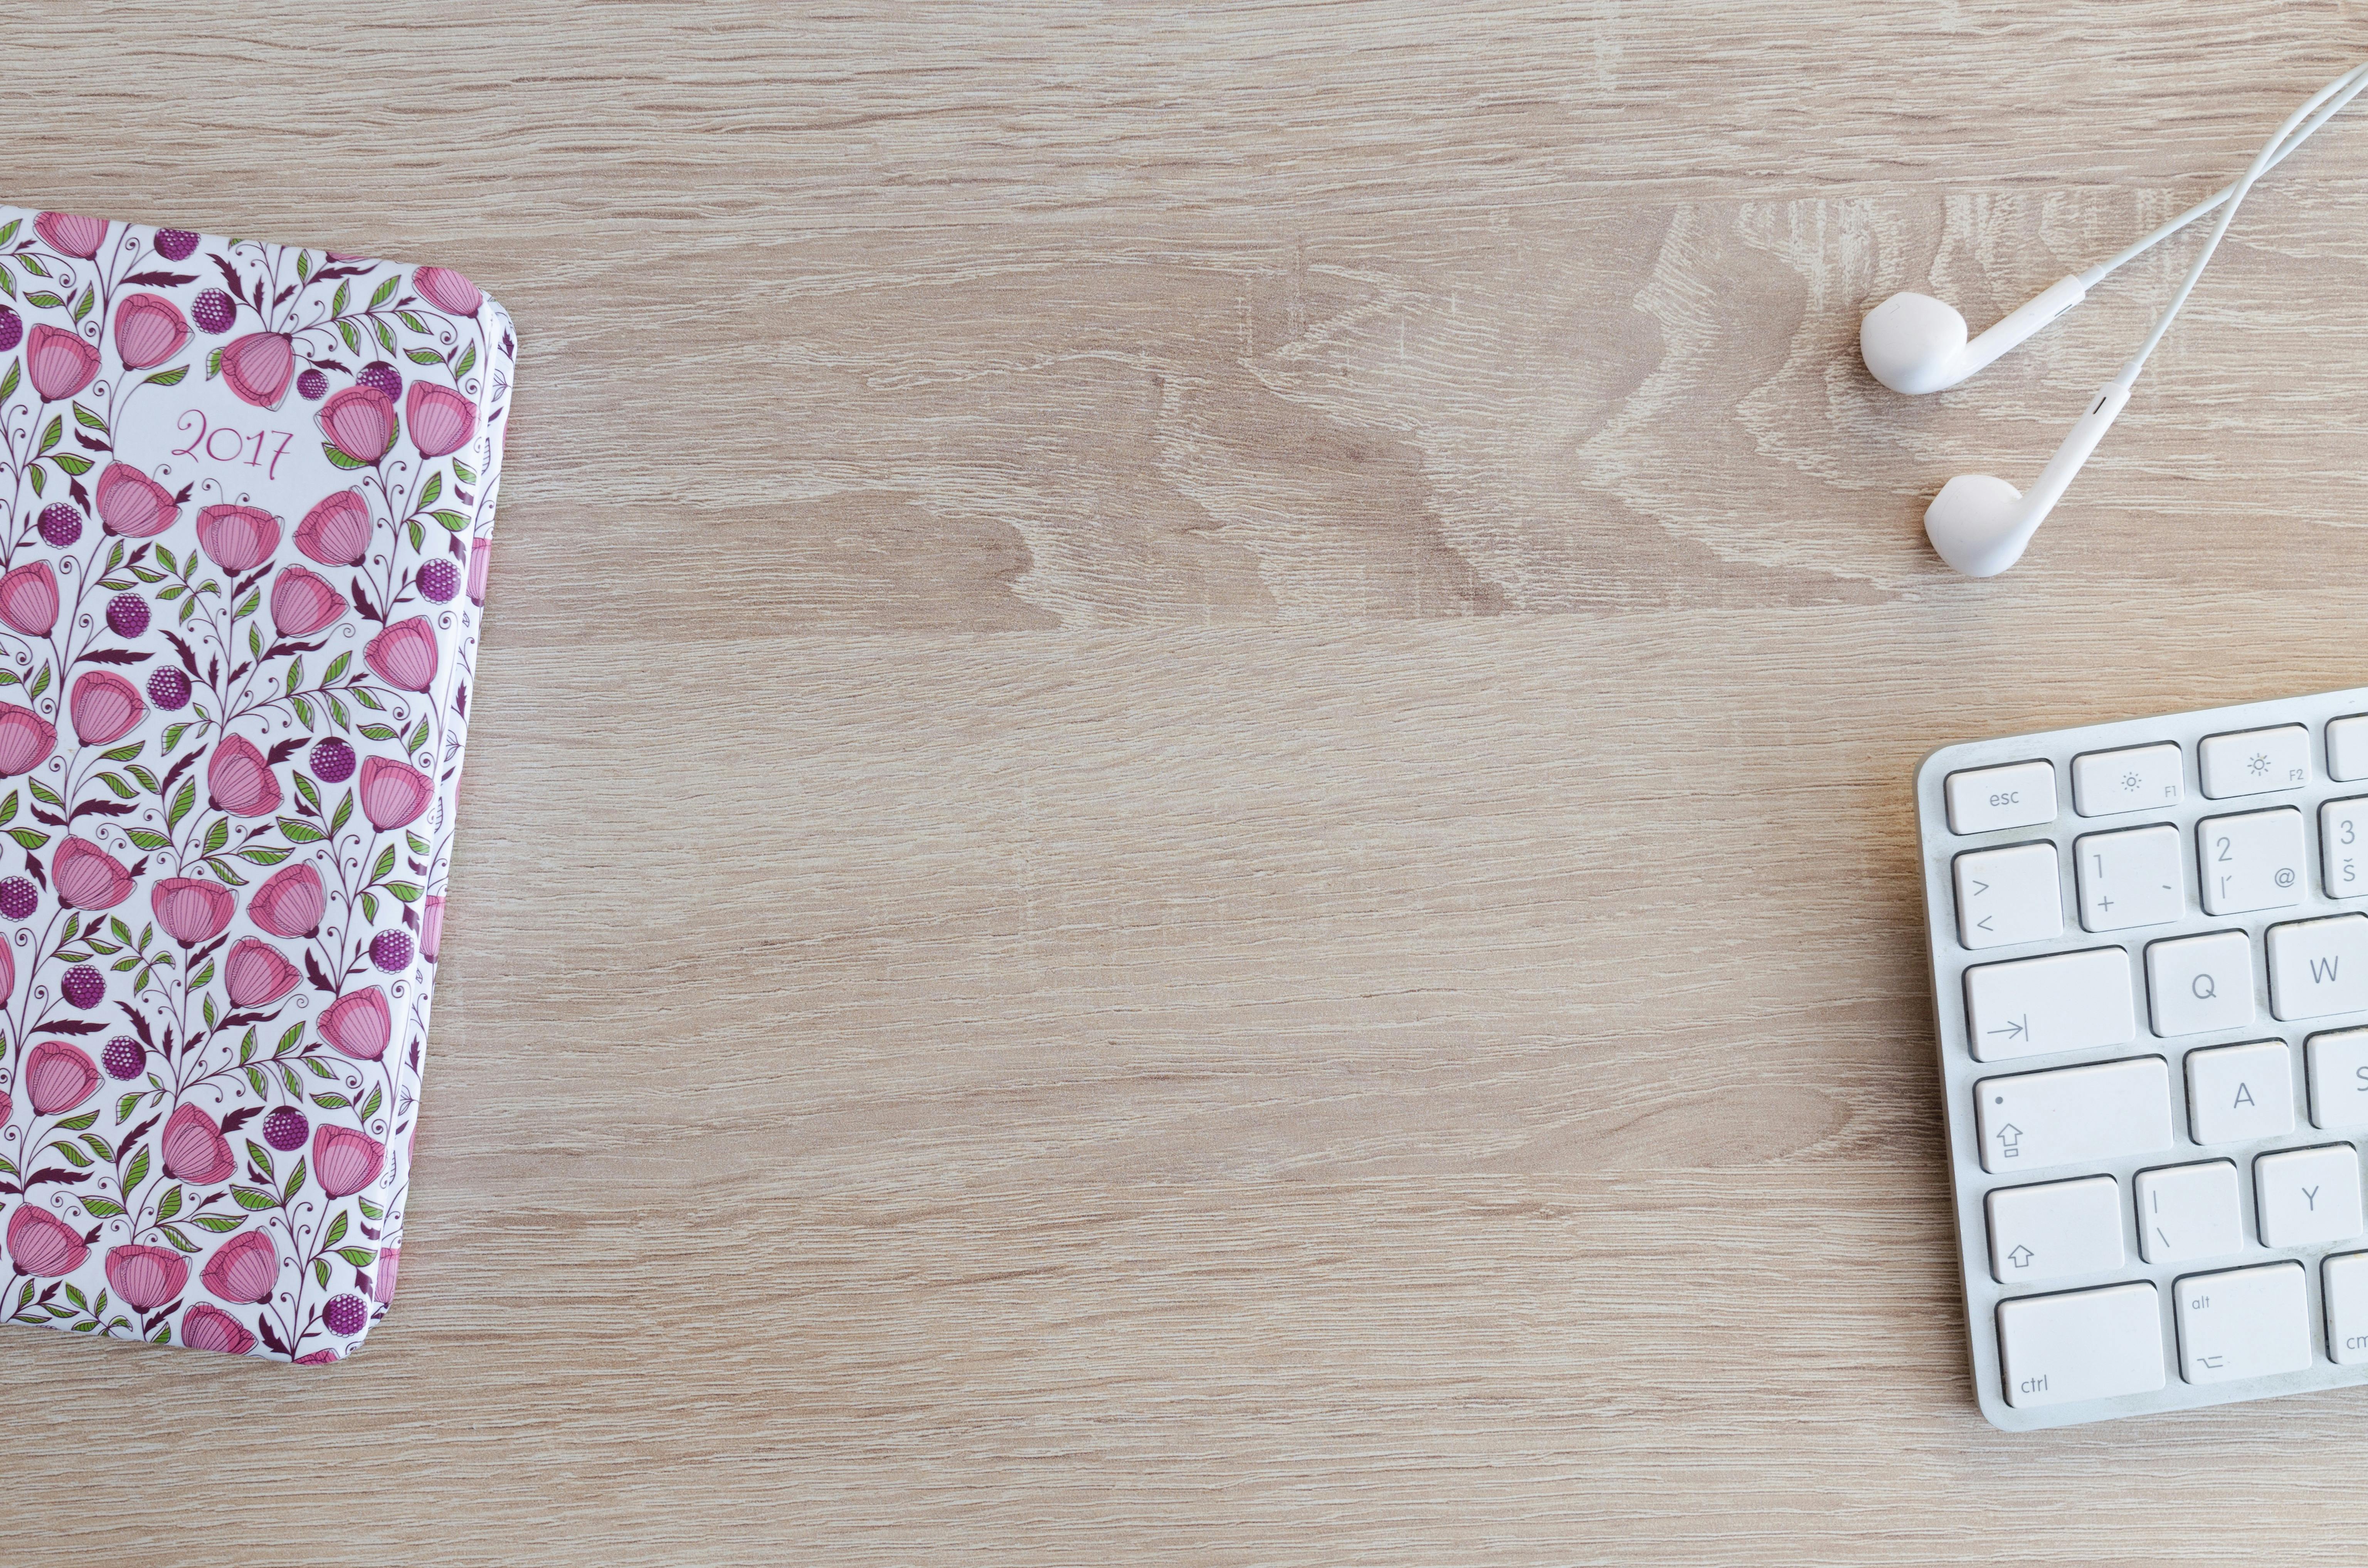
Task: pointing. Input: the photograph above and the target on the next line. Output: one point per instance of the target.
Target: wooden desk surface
(1188, 834)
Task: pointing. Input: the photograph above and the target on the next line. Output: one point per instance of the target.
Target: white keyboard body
(2150, 975)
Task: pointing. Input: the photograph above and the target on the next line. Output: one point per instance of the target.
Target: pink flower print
(8, 990)
(105, 708)
(290, 903)
(194, 1148)
(447, 291)
(25, 739)
(41, 1244)
(383, 1275)
(393, 793)
(336, 532)
(359, 421)
(345, 1161)
(70, 233)
(358, 1024)
(146, 1277)
(193, 909)
(238, 779)
(88, 877)
(58, 1077)
(237, 537)
(303, 602)
(442, 420)
(245, 1269)
(59, 363)
(256, 976)
(403, 654)
(321, 1358)
(208, 1327)
(133, 504)
(431, 926)
(258, 368)
(479, 552)
(28, 598)
(149, 330)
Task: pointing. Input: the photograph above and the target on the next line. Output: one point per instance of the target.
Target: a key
(2343, 845)
(2055, 1231)
(2347, 1308)
(2132, 877)
(2099, 1112)
(2318, 968)
(2254, 762)
(2081, 1345)
(2063, 1001)
(2253, 862)
(2196, 984)
(2188, 1213)
(2308, 1195)
(2347, 748)
(2009, 895)
(2239, 1092)
(2106, 783)
(2245, 1322)
(2339, 1079)
(1983, 799)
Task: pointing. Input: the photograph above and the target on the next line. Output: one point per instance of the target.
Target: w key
(2320, 967)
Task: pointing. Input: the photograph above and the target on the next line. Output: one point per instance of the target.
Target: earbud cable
(2357, 77)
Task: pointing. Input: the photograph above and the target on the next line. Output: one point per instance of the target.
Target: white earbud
(1979, 523)
(1916, 344)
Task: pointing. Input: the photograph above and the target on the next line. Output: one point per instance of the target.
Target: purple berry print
(214, 311)
(12, 329)
(124, 1057)
(82, 987)
(312, 386)
(127, 615)
(60, 524)
(345, 1314)
(391, 950)
(176, 244)
(19, 899)
(333, 761)
(286, 1129)
(168, 688)
(384, 376)
(439, 581)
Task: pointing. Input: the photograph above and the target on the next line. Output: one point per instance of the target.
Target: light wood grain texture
(1188, 834)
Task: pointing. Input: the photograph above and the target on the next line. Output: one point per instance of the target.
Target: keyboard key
(2254, 762)
(2081, 1345)
(2339, 1079)
(2347, 748)
(2099, 1112)
(2343, 841)
(2252, 862)
(2246, 1323)
(2318, 967)
(2132, 877)
(2237, 1093)
(1983, 799)
(2063, 1001)
(2106, 783)
(2055, 1231)
(2009, 895)
(2308, 1195)
(2197, 984)
(2347, 1308)
(2188, 1213)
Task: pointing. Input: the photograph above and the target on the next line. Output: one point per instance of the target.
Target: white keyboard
(2150, 971)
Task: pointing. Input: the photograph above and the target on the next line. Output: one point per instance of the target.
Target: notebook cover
(247, 493)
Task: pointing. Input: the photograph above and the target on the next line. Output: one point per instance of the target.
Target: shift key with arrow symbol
(2055, 1230)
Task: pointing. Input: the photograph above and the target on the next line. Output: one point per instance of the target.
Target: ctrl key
(2081, 1345)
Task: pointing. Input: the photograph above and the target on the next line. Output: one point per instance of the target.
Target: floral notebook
(246, 492)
